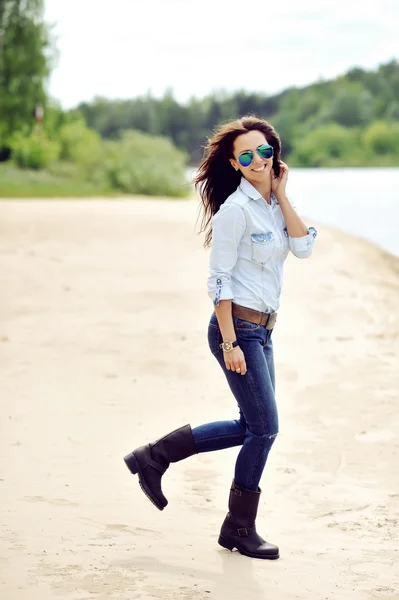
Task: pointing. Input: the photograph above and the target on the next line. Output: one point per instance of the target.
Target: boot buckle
(242, 532)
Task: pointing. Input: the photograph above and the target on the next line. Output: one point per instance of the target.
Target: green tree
(24, 64)
(328, 145)
(382, 138)
(353, 101)
(350, 105)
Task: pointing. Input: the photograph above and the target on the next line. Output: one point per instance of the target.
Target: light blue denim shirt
(250, 243)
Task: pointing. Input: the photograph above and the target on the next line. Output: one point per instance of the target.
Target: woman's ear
(234, 164)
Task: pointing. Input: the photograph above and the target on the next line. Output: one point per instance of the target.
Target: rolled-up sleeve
(302, 247)
(228, 227)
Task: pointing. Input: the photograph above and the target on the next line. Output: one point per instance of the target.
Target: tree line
(319, 124)
(352, 120)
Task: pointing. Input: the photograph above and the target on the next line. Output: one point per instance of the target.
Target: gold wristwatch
(227, 345)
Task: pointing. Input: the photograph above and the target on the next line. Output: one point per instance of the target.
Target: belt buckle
(271, 320)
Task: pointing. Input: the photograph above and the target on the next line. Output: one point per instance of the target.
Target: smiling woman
(236, 144)
(252, 226)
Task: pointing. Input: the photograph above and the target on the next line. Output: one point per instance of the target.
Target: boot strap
(245, 531)
(157, 466)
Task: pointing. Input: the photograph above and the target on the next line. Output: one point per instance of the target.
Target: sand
(103, 320)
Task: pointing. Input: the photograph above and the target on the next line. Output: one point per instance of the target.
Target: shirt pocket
(262, 247)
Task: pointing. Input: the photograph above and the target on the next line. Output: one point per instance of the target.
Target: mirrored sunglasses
(264, 151)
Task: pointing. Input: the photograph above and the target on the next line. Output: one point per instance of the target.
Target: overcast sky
(124, 48)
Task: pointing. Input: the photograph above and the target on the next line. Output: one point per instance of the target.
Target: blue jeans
(257, 426)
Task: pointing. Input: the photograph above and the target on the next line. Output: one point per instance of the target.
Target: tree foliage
(36, 151)
(24, 64)
(352, 101)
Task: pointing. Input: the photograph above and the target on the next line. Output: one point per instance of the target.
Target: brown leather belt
(268, 320)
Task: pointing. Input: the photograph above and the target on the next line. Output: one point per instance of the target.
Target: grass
(25, 183)
(62, 180)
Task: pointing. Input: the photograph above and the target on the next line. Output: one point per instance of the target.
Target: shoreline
(190, 200)
(103, 347)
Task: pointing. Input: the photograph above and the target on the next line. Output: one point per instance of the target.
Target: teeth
(260, 168)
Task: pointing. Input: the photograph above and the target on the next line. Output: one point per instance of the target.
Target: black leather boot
(151, 461)
(239, 530)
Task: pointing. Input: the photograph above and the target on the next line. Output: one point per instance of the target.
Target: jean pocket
(213, 321)
(262, 246)
(214, 338)
(240, 324)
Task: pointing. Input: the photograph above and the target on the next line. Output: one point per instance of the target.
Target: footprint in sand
(53, 501)
(122, 528)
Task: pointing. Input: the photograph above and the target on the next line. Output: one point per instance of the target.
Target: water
(364, 202)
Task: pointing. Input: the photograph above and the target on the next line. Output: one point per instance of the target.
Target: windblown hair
(216, 179)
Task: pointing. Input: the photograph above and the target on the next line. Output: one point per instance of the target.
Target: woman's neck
(265, 189)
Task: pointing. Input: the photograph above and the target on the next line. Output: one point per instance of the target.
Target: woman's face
(260, 168)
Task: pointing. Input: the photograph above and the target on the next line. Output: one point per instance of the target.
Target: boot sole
(134, 467)
(229, 545)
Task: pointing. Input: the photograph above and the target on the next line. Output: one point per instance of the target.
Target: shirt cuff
(223, 291)
(300, 244)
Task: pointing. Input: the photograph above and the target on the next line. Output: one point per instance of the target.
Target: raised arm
(301, 237)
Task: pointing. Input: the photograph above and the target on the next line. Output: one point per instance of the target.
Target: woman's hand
(235, 360)
(279, 183)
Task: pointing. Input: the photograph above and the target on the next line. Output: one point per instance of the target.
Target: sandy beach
(103, 322)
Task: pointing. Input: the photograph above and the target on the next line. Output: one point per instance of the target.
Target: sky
(127, 48)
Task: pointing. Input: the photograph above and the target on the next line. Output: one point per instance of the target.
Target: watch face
(227, 346)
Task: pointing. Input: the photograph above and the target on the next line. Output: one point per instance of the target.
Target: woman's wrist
(281, 197)
(229, 338)
(225, 320)
(228, 346)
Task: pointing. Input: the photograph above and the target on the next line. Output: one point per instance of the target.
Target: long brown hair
(216, 179)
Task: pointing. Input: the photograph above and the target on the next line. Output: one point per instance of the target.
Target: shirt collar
(252, 192)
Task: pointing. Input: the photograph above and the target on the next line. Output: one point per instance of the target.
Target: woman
(252, 225)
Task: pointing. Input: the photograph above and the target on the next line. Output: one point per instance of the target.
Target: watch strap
(232, 344)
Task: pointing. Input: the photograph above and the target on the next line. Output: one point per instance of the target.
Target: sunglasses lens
(245, 159)
(265, 151)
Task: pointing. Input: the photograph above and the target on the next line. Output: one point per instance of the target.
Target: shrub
(326, 146)
(36, 151)
(142, 164)
(382, 138)
(80, 144)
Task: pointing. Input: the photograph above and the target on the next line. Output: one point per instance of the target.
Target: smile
(262, 168)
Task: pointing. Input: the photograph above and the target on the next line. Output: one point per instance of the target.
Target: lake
(364, 202)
